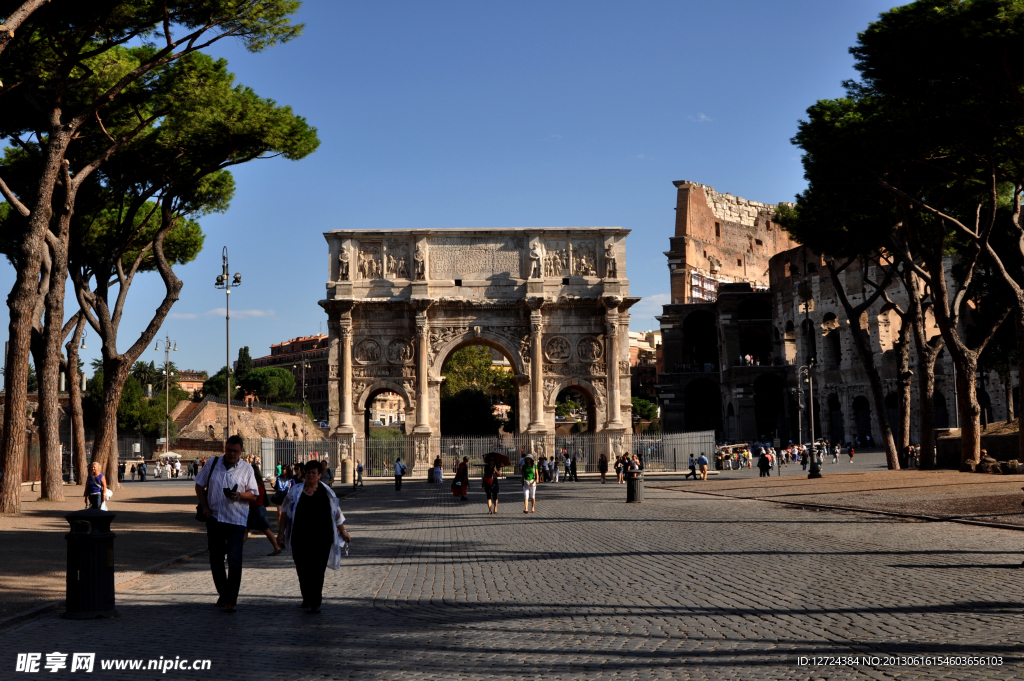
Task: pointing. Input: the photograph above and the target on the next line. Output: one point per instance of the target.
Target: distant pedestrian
(282, 484)
(835, 454)
(328, 475)
(143, 469)
(400, 470)
(553, 462)
(692, 465)
(312, 528)
(602, 467)
(460, 484)
(529, 472)
(120, 471)
(702, 465)
(492, 472)
(224, 489)
(133, 472)
(573, 470)
(850, 452)
(95, 487)
(763, 464)
(359, 474)
(257, 520)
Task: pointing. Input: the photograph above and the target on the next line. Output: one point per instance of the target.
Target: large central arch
(553, 301)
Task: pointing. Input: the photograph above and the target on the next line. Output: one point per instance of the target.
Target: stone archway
(554, 302)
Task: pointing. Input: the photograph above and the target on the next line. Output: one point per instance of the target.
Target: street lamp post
(807, 370)
(167, 387)
(305, 365)
(226, 282)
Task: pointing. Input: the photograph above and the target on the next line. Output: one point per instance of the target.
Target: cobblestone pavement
(683, 586)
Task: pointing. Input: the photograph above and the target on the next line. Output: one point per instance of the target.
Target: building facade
(720, 239)
(291, 355)
(733, 363)
(191, 381)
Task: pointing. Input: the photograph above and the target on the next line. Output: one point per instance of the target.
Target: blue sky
(487, 114)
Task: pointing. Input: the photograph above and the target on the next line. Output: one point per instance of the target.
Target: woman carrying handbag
(312, 529)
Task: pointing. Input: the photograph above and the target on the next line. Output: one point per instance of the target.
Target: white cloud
(642, 314)
(701, 118)
(219, 312)
(241, 314)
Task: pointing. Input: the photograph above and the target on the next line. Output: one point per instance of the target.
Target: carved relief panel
(369, 262)
(396, 258)
(367, 351)
(556, 259)
(400, 351)
(584, 259)
(557, 349)
(589, 349)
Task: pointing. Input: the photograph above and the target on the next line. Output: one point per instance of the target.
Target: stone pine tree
(956, 70)
(936, 121)
(160, 185)
(62, 79)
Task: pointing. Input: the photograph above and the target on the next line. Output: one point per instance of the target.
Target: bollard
(347, 471)
(634, 487)
(90, 576)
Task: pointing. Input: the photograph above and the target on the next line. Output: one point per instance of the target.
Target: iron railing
(659, 452)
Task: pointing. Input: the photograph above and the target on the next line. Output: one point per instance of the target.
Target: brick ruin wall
(721, 238)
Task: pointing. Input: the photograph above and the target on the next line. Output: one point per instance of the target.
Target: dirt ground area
(936, 495)
(155, 522)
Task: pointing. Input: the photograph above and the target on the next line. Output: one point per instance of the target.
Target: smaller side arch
(381, 386)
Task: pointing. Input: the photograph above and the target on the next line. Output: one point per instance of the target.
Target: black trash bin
(634, 487)
(90, 578)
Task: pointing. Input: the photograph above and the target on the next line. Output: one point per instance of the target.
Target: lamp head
(220, 280)
(237, 280)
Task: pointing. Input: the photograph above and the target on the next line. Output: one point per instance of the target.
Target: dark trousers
(95, 500)
(311, 565)
(226, 540)
(693, 472)
(398, 482)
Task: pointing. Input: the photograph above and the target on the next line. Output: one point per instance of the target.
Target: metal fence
(659, 452)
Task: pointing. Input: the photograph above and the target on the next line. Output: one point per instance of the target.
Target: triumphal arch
(553, 301)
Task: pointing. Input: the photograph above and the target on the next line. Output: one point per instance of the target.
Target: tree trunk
(21, 303)
(970, 410)
(1020, 382)
(49, 374)
(104, 447)
(75, 404)
(927, 353)
(867, 359)
(904, 381)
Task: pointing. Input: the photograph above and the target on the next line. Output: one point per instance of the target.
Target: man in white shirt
(225, 487)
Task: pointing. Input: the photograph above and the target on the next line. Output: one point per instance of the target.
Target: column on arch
(612, 365)
(537, 370)
(345, 391)
(422, 384)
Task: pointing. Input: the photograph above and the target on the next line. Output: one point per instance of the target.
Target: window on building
(758, 242)
(739, 262)
(718, 229)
